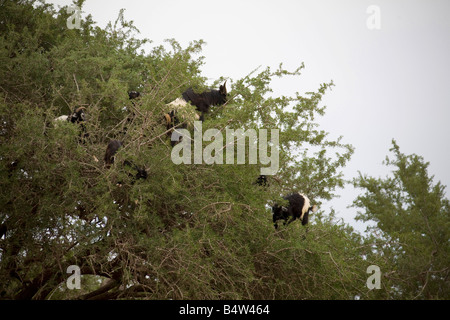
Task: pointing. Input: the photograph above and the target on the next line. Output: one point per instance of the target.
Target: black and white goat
(201, 101)
(299, 208)
(173, 123)
(111, 150)
(78, 116)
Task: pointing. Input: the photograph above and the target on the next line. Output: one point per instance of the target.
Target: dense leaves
(199, 231)
(412, 219)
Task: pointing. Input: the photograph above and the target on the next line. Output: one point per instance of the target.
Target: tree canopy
(412, 219)
(198, 231)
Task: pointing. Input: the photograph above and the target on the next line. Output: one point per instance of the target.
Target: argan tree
(412, 228)
(199, 231)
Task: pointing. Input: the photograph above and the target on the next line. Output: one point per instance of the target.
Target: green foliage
(187, 231)
(412, 219)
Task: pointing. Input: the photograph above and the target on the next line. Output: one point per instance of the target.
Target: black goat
(111, 150)
(298, 208)
(262, 181)
(203, 101)
(131, 115)
(134, 94)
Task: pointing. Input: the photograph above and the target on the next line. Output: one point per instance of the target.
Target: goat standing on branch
(78, 116)
(298, 208)
(133, 94)
(202, 102)
(110, 153)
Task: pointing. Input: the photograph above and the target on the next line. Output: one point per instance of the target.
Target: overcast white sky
(391, 82)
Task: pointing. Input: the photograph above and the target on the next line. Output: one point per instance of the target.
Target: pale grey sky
(391, 82)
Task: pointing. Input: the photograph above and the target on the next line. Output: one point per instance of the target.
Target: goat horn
(80, 108)
(168, 119)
